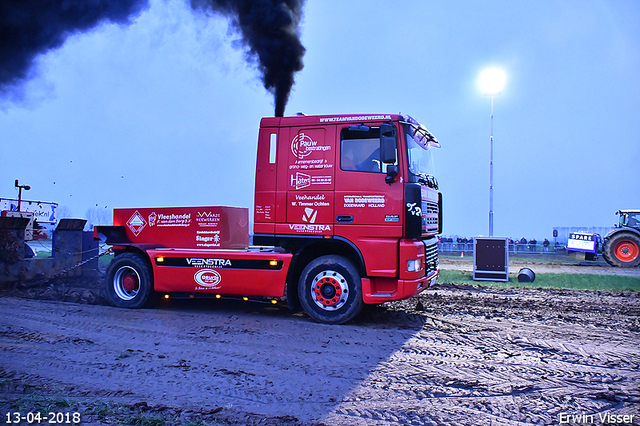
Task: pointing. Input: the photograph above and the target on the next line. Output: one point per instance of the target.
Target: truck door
(368, 210)
(310, 181)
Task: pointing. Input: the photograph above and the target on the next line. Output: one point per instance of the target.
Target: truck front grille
(431, 255)
(430, 216)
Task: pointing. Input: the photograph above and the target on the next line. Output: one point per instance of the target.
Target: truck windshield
(419, 143)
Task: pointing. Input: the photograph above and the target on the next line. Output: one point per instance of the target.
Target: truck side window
(273, 146)
(360, 150)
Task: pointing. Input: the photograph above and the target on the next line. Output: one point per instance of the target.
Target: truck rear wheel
(330, 290)
(129, 282)
(623, 250)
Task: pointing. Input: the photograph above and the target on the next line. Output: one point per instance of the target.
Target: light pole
(20, 188)
(491, 82)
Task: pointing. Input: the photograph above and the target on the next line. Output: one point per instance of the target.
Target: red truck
(346, 213)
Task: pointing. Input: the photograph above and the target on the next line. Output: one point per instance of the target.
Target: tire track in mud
(258, 363)
(509, 367)
(466, 356)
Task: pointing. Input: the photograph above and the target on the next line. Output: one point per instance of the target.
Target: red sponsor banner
(208, 227)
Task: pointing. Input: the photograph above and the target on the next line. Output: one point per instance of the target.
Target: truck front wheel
(622, 249)
(129, 282)
(330, 290)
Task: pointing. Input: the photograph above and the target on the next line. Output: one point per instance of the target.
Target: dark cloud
(269, 29)
(29, 28)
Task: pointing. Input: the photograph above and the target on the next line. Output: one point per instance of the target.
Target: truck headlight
(414, 265)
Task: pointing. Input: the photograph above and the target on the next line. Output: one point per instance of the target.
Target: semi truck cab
(362, 186)
(346, 213)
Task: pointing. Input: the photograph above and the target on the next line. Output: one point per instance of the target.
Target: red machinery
(346, 212)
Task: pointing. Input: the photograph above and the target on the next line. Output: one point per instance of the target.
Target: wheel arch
(117, 250)
(620, 230)
(338, 246)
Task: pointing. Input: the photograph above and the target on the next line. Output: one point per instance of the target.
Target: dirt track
(465, 356)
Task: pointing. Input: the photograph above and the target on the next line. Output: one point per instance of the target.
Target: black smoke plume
(269, 30)
(29, 28)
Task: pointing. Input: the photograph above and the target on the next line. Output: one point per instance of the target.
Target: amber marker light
(245, 298)
(166, 296)
(160, 259)
(274, 301)
(218, 296)
(273, 263)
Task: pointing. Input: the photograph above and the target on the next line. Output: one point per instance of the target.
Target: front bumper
(405, 289)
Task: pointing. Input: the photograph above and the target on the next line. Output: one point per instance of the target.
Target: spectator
(522, 244)
(545, 245)
(532, 245)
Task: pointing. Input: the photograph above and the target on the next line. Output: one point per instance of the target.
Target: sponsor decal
(152, 219)
(207, 219)
(583, 237)
(309, 228)
(264, 211)
(303, 180)
(208, 238)
(582, 242)
(208, 263)
(318, 163)
(210, 279)
(392, 218)
(314, 200)
(309, 215)
(364, 201)
(300, 180)
(414, 209)
(173, 219)
(302, 145)
(136, 223)
(355, 118)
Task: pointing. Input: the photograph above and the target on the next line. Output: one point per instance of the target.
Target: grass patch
(547, 280)
(101, 410)
(43, 404)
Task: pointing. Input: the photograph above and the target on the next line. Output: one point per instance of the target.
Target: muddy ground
(454, 355)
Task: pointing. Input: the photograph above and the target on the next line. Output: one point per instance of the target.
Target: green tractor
(621, 246)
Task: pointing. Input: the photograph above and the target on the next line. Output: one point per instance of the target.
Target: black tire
(129, 282)
(622, 249)
(330, 290)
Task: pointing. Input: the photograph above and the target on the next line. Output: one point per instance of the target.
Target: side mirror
(388, 143)
(392, 172)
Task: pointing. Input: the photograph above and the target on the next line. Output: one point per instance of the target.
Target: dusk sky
(165, 111)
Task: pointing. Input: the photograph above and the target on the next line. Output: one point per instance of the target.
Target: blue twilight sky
(165, 111)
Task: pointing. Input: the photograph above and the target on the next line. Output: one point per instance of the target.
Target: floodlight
(492, 81)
